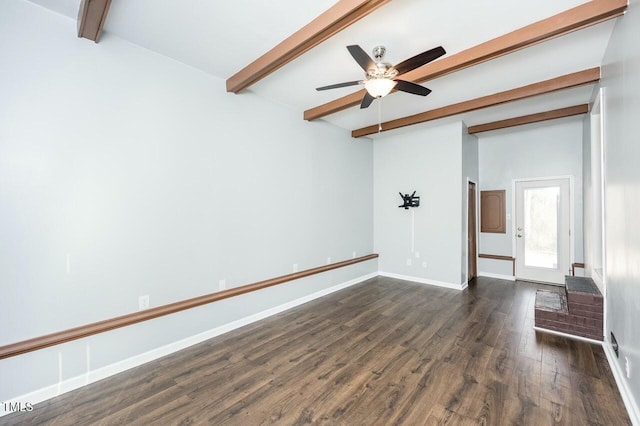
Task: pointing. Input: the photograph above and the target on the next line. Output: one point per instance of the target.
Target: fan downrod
(378, 53)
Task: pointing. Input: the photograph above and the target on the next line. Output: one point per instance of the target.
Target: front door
(543, 240)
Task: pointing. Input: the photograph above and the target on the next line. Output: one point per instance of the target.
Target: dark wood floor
(383, 352)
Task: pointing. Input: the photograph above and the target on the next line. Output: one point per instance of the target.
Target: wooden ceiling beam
(531, 118)
(567, 81)
(91, 18)
(573, 19)
(332, 21)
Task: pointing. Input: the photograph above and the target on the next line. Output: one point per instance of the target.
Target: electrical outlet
(627, 367)
(222, 284)
(409, 262)
(424, 264)
(353, 255)
(328, 260)
(295, 267)
(143, 302)
(417, 255)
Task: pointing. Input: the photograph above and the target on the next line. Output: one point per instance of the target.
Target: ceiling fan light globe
(379, 87)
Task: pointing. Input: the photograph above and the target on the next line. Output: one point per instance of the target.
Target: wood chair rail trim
(574, 266)
(501, 257)
(53, 339)
(576, 18)
(496, 256)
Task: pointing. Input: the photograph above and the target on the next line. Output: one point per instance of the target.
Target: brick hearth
(577, 309)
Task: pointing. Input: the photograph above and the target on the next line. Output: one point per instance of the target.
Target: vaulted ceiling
(542, 40)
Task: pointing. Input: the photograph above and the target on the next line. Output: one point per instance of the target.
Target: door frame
(596, 114)
(466, 227)
(571, 214)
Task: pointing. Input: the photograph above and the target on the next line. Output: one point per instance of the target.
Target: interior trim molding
(91, 18)
(53, 339)
(531, 118)
(330, 22)
(93, 376)
(576, 18)
(496, 256)
(574, 266)
(500, 257)
(567, 81)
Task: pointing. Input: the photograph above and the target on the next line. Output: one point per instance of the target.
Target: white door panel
(542, 230)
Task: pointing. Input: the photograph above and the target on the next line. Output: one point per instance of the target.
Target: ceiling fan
(380, 76)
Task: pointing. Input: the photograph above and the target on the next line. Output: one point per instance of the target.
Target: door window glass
(541, 227)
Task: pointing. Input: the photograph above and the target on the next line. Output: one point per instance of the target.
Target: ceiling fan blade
(366, 101)
(361, 57)
(409, 87)
(419, 60)
(335, 86)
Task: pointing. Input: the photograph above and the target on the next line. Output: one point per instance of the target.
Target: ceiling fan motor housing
(378, 52)
(382, 69)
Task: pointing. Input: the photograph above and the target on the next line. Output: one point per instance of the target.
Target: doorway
(472, 212)
(542, 229)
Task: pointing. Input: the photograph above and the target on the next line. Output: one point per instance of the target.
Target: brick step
(583, 307)
(553, 312)
(576, 331)
(586, 313)
(583, 291)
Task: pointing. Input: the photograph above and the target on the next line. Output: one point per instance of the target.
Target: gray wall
(550, 149)
(621, 82)
(125, 173)
(429, 161)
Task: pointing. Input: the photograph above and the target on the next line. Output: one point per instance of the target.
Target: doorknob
(519, 235)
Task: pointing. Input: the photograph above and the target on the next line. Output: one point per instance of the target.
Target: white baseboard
(623, 387)
(568, 336)
(498, 276)
(126, 364)
(423, 280)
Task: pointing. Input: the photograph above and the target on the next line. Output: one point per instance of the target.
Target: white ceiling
(220, 38)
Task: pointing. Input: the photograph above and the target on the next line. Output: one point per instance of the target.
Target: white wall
(124, 173)
(620, 71)
(550, 149)
(470, 172)
(427, 160)
(587, 182)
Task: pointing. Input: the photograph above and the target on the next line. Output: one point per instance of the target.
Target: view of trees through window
(541, 227)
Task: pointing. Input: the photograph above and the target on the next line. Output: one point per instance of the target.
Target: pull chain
(379, 115)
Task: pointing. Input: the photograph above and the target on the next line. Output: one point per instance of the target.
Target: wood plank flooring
(384, 352)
